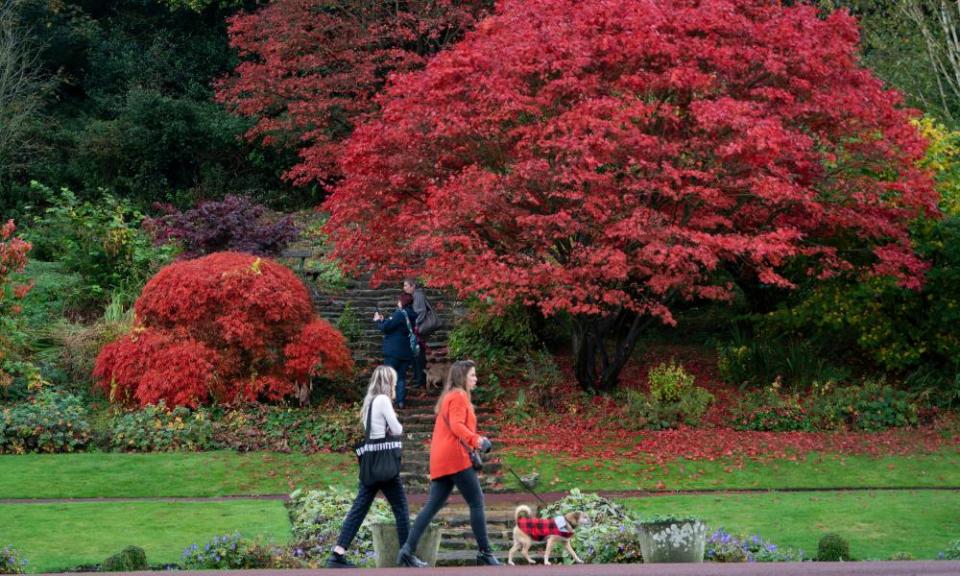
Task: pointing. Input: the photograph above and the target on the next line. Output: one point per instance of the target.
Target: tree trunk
(597, 367)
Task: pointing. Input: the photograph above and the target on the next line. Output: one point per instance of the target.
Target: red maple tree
(310, 70)
(226, 327)
(610, 157)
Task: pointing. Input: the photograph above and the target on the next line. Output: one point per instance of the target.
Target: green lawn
(876, 523)
(939, 470)
(60, 536)
(172, 474)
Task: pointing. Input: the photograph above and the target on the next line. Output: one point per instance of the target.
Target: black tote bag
(379, 460)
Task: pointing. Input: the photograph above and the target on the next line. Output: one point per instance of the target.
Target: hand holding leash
(485, 445)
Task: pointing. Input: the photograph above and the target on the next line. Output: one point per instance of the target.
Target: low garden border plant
(50, 421)
(723, 546)
(833, 547)
(155, 428)
(316, 517)
(11, 562)
(951, 553)
(673, 399)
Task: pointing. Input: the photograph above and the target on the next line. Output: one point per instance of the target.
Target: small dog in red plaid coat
(530, 529)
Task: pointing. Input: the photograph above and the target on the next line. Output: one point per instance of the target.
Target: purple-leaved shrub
(234, 224)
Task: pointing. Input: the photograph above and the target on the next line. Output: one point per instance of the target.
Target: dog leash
(529, 489)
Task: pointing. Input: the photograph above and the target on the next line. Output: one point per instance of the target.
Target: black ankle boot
(338, 561)
(486, 558)
(407, 559)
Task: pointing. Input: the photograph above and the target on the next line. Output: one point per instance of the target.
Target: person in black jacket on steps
(396, 342)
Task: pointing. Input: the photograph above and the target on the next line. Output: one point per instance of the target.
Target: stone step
(421, 401)
(497, 532)
(423, 468)
(488, 430)
(419, 484)
(420, 473)
(459, 516)
(467, 542)
(418, 411)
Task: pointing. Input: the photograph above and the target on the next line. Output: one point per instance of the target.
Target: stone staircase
(362, 301)
(458, 546)
(418, 417)
(418, 421)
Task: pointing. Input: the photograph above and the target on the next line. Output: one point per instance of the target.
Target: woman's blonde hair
(456, 379)
(382, 381)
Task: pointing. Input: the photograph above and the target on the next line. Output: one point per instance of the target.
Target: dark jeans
(393, 490)
(419, 365)
(400, 365)
(468, 483)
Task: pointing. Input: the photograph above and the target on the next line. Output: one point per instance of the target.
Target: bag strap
(366, 436)
(407, 318)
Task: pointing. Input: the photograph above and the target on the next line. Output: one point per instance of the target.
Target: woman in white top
(379, 399)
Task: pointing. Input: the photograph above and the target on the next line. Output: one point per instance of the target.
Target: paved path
(491, 498)
(709, 569)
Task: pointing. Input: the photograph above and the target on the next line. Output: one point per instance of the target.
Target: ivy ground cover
(58, 537)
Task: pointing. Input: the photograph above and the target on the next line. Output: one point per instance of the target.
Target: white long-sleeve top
(383, 416)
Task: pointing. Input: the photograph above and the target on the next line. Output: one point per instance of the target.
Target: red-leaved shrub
(227, 327)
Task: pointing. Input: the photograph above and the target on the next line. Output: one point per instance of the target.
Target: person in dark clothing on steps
(396, 342)
(453, 431)
(424, 325)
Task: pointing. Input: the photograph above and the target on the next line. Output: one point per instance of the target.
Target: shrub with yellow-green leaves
(159, 429)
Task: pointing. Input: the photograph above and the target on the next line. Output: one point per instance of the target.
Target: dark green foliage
(54, 289)
(133, 108)
(497, 340)
(673, 400)
(348, 323)
(833, 548)
(874, 324)
(260, 427)
(158, 144)
(893, 46)
(870, 407)
(754, 361)
(541, 394)
(543, 380)
(770, 410)
(130, 559)
(48, 422)
(100, 240)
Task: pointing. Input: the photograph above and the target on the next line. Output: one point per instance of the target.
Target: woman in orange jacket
(454, 433)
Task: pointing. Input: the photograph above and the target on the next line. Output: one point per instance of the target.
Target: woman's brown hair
(456, 379)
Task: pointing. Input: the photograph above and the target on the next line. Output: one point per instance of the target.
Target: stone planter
(672, 540)
(386, 544)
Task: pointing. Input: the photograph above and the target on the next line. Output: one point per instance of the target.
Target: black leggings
(393, 490)
(468, 483)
